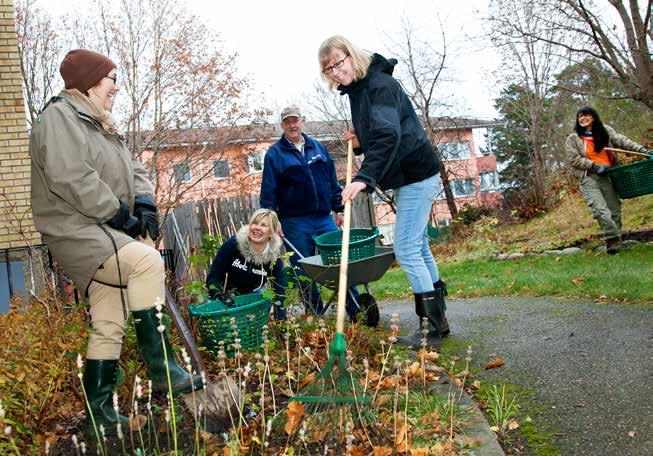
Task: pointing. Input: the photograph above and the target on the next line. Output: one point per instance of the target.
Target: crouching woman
(249, 261)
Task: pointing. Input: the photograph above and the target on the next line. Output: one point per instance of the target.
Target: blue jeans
(300, 231)
(411, 244)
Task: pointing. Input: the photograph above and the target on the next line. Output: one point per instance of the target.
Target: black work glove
(225, 297)
(123, 221)
(145, 212)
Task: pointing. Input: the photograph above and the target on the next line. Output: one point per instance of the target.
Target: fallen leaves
(294, 414)
(310, 378)
(137, 422)
(428, 356)
(495, 363)
(578, 281)
(403, 437)
(381, 451)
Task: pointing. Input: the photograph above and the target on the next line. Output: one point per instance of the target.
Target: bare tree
(618, 33)
(40, 47)
(176, 79)
(531, 63)
(425, 66)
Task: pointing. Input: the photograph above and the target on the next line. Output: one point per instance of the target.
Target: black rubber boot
(441, 289)
(425, 307)
(150, 345)
(99, 380)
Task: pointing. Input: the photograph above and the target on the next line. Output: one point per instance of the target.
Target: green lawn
(626, 276)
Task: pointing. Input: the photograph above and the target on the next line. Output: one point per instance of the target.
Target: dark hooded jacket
(396, 147)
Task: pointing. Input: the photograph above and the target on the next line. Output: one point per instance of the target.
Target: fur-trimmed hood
(270, 253)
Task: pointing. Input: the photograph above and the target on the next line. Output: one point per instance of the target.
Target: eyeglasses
(113, 78)
(335, 66)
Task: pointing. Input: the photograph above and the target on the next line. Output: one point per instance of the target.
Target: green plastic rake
(336, 395)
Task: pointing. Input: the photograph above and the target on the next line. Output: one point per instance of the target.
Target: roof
(258, 132)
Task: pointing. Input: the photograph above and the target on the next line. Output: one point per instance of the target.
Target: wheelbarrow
(360, 272)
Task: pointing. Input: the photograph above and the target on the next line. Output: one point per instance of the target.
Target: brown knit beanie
(81, 69)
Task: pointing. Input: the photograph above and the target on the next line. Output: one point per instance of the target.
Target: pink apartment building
(227, 168)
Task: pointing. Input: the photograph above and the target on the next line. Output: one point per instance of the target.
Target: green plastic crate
(633, 179)
(362, 244)
(216, 322)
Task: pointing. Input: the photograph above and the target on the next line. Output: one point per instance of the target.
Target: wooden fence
(186, 225)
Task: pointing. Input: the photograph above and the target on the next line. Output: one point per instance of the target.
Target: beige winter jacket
(80, 171)
(575, 148)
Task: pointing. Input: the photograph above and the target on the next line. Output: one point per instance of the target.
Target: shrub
(39, 343)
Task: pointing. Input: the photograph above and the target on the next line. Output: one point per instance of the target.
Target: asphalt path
(586, 368)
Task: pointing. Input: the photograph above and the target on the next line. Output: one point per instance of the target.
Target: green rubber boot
(150, 344)
(99, 380)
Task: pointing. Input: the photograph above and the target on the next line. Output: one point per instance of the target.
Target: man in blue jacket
(300, 184)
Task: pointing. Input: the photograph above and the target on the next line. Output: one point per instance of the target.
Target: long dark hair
(599, 133)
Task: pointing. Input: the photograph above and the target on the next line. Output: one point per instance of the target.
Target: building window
(463, 187)
(255, 161)
(376, 199)
(439, 190)
(489, 181)
(454, 150)
(181, 172)
(220, 169)
(17, 282)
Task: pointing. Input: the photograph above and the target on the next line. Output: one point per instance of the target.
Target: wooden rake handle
(612, 149)
(344, 256)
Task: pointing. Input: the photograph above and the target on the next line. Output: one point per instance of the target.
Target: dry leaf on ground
(419, 452)
(578, 281)
(429, 356)
(310, 378)
(496, 363)
(513, 424)
(414, 370)
(137, 422)
(381, 451)
(357, 451)
(294, 414)
(403, 437)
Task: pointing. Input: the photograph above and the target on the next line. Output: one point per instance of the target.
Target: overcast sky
(277, 41)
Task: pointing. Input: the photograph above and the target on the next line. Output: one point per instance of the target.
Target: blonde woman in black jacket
(398, 156)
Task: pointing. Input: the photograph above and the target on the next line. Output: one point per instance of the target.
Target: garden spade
(219, 399)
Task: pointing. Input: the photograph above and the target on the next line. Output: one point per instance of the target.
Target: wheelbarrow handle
(293, 248)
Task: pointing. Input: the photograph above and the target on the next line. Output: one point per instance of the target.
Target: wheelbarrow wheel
(369, 309)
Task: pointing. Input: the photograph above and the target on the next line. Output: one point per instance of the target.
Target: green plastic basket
(633, 179)
(362, 244)
(218, 322)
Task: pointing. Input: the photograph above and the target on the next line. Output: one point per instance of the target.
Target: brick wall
(16, 226)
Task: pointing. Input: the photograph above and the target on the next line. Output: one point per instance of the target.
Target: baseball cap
(290, 111)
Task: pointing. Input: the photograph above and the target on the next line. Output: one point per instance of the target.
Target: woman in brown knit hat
(92, 201)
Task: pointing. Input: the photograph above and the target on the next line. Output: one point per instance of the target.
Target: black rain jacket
(396, 147)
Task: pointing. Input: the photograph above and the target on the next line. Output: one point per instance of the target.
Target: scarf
(91, 108)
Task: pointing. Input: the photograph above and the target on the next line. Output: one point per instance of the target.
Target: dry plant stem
(171, 400)
(395, 404)
(131, 431)
(358, 409)
(156, 438)
(289, 369)
(453, 404)
(406, 403)
(90, 413)
(385, 356)
(269, 375)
